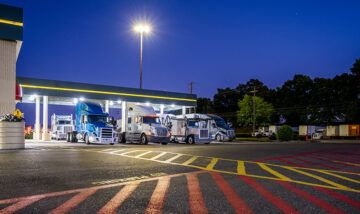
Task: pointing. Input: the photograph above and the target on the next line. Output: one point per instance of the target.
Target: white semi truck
(61, 125)
(190, 128)
(143, 126)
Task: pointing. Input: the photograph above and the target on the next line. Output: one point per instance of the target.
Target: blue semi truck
(92, 125)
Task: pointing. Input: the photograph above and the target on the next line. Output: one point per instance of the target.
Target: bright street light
(141, 29)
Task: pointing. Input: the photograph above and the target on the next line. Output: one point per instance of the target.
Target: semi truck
(143, 126)
(60, 126)
(220, 130)
(191, 129)
(92, 125)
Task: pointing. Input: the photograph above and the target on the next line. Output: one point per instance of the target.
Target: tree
(262, 113)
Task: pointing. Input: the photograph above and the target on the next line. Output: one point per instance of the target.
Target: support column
(45, 130)
(183, 110)
(124, 116)
(161, 109)
(37, 119)
(107, 104)
(7, 75)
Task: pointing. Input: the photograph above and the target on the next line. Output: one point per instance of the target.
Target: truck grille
(106, 133)
(230, 132)
(204, 134)
(68, 129)
(161, 132)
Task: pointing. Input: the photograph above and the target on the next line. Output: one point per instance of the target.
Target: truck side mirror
(85, 119)
(213, 125)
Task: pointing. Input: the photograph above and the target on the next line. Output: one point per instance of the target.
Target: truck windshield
(197, 124)
(152, 120)
(64, 122)
(97, 119)
(221, 123)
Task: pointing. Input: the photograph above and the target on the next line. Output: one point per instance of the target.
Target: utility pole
(254, 108)
(191, 84)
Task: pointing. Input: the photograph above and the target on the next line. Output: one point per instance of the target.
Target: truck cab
(93, 125)
(220, 130)
(190, 128)
(61, 125)
(143, 126)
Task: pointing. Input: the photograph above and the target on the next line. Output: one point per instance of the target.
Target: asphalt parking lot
(60, 177)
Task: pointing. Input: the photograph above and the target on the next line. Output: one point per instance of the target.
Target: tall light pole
(141, 29)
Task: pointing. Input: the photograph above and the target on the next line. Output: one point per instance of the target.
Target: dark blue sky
(216, 43)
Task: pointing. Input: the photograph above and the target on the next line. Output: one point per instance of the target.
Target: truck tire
(143, 139)
(87, 141)
(164, 143)
(73, 137)
(122, 138)
(190, 140)
(68, 137)
(218, 138)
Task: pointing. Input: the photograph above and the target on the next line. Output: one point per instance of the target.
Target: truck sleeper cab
(144, 126)
(93, 125)
(220, 130)
(190, 130)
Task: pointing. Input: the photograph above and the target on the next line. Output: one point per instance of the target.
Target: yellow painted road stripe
(341, 177)
(173, 158)
(212, 164)
(9, 22)
(241, 168)
(142, 154)
(318, 178)
(273, 172)
(188, 162)
(157, 156)
(348, 163)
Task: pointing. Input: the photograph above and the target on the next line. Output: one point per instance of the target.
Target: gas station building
(45, 92)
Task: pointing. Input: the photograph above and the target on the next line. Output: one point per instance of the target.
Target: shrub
(285, 133)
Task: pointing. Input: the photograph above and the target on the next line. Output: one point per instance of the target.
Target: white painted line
(142, 154)
(157, 156)
(173, 158)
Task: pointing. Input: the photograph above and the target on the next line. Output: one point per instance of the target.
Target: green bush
(285, 133)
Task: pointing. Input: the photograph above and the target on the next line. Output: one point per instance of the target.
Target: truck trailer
(92, 125)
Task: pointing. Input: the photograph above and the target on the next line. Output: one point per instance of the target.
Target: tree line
(301, 100)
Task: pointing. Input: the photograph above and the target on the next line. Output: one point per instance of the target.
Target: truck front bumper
(93, 139)
(156, 139)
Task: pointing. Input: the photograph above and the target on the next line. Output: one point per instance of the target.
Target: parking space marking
(73, 202)
(157, 199)
(267, 167)
(112, 206)
(315, 200)
(142, 154)
(195, 196)
(212, 164)
(173, 158)
(273, 172)
(241, 167)
(348, 163)
(189, 161)
(158, 156)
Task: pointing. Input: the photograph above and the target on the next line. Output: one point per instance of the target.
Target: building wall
(7, 76)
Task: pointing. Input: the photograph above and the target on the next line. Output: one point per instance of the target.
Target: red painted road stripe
(290, 162)
(311, 163)
(156, 203)
(73, 202)
(278, 202)
(340, 197)
(236, 202)
(196, 200)
(113, 205)
(323, 204)
(330, 160)
(20, 205)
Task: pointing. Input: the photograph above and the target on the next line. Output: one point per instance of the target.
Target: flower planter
(12, 135)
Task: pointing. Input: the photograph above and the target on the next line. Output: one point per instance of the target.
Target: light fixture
(75, 100)
(119, 101)
(142, 28)
(111, 103)
(32, 97)
(82, 99)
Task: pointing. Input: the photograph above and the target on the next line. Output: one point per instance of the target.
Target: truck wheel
(218, 138)
(73, 138)
(143, 139)
(122, 138)
(190, 140)
(164, 143)
(87, 141)
(111, 143)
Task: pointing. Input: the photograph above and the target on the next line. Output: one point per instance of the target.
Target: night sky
(215, 44)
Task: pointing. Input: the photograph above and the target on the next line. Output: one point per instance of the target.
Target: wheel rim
(143, 140)
(191, 140)
(218, 138)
